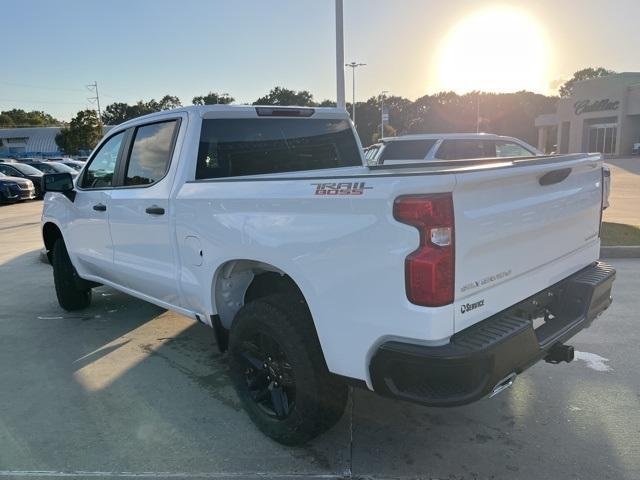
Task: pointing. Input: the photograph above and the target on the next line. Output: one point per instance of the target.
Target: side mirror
(59, 182)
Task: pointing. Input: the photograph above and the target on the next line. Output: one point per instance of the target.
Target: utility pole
(478, 112)
(353, 66)
(382, 113)
(340, 101)
(93, 87)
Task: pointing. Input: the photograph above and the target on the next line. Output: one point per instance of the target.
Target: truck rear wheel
(73, 293)
(279, 372)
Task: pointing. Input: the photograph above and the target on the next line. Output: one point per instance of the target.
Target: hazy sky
(139, 49)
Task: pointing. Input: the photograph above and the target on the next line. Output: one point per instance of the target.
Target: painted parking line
(99, 474)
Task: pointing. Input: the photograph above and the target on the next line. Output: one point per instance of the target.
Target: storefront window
(602, 138)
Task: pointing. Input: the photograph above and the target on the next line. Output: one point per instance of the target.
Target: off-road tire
(319, 398)
(73, 293)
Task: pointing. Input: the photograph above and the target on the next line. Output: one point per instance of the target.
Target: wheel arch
(239, 281)
(50, 233)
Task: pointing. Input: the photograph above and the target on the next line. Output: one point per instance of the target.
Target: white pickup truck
(435, 284)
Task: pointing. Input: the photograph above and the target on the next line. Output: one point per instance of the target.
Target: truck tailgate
(522, 228)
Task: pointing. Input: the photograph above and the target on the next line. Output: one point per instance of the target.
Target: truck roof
(248, 111)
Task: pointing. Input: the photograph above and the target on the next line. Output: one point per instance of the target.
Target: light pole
(339, 56)
(353, 66)
(478, 112)
(382, 113)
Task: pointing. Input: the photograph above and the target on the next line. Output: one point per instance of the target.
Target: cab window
(99, 172)
(150, 153)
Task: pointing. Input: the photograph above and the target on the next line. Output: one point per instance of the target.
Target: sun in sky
(500, 49)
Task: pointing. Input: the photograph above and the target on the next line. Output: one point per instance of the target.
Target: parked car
(23, 170)
(69, 162)
(26, 190)
(447, 146)
(9, 191)
(53, 167)
(457, 146)
(315, 270)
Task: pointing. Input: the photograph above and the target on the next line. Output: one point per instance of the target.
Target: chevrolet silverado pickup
(436, 284)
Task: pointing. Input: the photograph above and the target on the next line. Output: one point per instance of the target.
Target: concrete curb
(620, 252)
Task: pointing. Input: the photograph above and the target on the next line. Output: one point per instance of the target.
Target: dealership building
(602, 115)
(28, 141)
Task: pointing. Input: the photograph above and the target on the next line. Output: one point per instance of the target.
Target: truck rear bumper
(483, 355)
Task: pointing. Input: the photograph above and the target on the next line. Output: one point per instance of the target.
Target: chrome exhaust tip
(503, 384)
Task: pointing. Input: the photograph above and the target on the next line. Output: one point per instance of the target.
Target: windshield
(54, 167)
(26, 169)
(62, 168)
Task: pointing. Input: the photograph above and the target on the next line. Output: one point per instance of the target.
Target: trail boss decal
(342, 188)
(467, 307)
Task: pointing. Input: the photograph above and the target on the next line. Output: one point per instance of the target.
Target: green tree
(119, 112)
(169, 102)
(284, 96)
(586, 73)
(116, 113)
(21, 118)
(213, 98)
(389, 131)
(82, 133)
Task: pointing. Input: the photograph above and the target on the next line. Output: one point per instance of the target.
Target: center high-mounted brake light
(284, 112)
(429, 270)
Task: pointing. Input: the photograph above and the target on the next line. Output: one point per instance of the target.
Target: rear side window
(406, 150)
(466, 149)
(238, 147)
(511, 149)
(150, 153)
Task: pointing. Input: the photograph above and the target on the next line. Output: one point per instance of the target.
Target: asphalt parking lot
(126, 389)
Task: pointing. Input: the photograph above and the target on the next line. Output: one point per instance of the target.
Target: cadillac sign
(587, 106)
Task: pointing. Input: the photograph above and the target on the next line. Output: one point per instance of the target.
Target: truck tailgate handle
(155, 210)
(554, 176)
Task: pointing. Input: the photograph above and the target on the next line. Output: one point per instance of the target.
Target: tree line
(510, 114)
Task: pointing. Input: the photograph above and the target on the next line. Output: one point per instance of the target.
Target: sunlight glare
(496, 50)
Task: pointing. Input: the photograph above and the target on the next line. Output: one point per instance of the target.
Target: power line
(40, 87)
(39, 101)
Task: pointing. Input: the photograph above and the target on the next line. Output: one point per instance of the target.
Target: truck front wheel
(279, 372)
(73, 293)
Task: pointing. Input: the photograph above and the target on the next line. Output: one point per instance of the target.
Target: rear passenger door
(139, 214)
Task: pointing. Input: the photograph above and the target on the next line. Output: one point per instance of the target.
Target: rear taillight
(429, 270)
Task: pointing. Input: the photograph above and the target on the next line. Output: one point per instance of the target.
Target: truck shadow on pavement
(127, 386)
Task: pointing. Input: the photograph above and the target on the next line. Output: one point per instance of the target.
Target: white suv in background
(446, 146)
(456, 146)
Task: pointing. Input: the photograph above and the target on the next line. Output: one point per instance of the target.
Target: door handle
(155, 210)
(99, 207)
